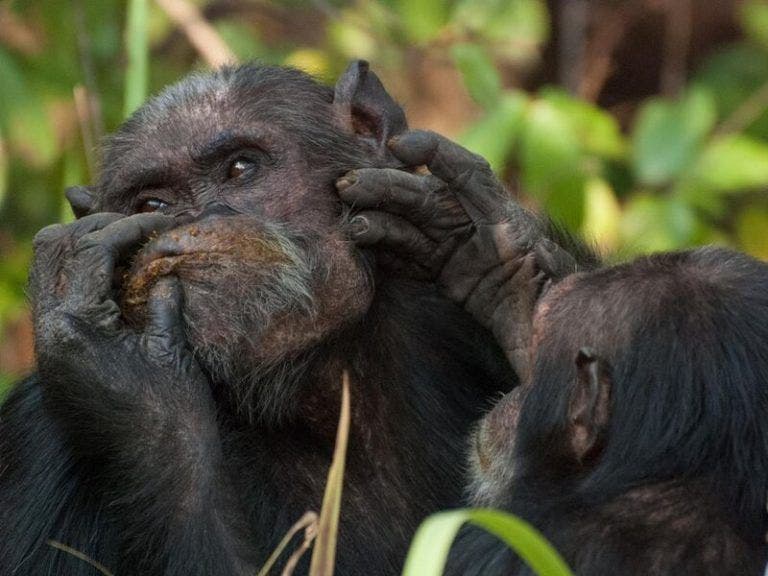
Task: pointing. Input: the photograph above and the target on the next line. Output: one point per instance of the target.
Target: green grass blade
(137, 47)
(433, 540)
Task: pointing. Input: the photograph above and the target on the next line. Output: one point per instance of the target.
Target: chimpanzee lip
(191, 246)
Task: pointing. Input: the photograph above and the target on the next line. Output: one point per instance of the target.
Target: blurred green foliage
(686, 171)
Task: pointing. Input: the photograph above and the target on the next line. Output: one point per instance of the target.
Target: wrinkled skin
(458, 227)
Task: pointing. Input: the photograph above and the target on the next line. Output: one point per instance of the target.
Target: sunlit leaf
(479, 73)
(241, 40)
(597, 131)
(653, 224)
(552, 163)
(752, 231)
(754, 21)
(351, 40)
(422, 20)
(494, 135)
(732, 163)
(668, 135)
(433, 540)
(31, 135)
(602, 214)
(516, 29)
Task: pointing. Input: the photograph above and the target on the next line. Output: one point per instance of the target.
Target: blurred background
(641, 124)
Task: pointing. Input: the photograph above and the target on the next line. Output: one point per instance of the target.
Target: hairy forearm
(174, 496)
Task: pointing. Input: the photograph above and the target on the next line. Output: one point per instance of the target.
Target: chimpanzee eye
(152, 205)
(238, 167)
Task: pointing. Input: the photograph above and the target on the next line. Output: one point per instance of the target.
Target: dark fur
(680, 484)
(421, 370)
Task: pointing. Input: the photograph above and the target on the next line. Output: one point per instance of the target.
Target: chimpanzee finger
(392, 233)
(394, 191)
(52, 246)
(483, 300)
(97, 252)
(553, 260)
(164, 334)
(470, 175)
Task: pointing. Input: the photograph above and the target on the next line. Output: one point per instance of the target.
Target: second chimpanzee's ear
(81, 199)
(363, 106)
(590, 405)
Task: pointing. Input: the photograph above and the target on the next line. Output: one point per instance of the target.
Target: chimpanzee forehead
(202, 110)
(201, 106)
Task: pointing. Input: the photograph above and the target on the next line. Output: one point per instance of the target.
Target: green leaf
(3, 169)
(433, 540)
(653, 224)
(751, 227)
(515, 29)
(422, 19)
(754, 21)
(31, 134)
(732, 164)
(597, 131)
(137, 45)
(602, 214)
(241, 39)
(668, 135)
(479, 74)
(732, 75)
(14, 85)
(494, 135)
(552, 164)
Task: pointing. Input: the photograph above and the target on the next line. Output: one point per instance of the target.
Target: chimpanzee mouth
(193, 252)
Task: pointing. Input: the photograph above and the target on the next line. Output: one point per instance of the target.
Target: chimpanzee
(192, 326)
(639, 445)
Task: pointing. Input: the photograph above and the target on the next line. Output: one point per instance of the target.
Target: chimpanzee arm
(459, 226)
(135, 405)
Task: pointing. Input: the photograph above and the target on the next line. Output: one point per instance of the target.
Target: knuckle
(48, 235)
(89, 243)
(57, 332)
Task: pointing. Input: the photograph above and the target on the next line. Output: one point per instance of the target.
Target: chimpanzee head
(246, 158)
(649, 372)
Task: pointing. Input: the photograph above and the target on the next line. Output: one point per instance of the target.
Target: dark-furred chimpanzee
(639, 446)
(192, 325)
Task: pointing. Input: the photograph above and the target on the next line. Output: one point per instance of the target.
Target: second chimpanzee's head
(245, 158)
(650, 372)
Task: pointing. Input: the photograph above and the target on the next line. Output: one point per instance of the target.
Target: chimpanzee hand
(109, 384)
(457, 226)
(136, 403)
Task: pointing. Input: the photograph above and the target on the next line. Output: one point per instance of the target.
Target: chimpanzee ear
(81, 199)
(589, 407)
(362, 106)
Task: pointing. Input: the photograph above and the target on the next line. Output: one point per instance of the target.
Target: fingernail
(358, 225)
(345, 182)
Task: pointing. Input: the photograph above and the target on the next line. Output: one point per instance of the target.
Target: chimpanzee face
(556, 340)
(247, 165)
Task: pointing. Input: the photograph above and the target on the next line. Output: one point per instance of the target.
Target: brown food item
(186, 250)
